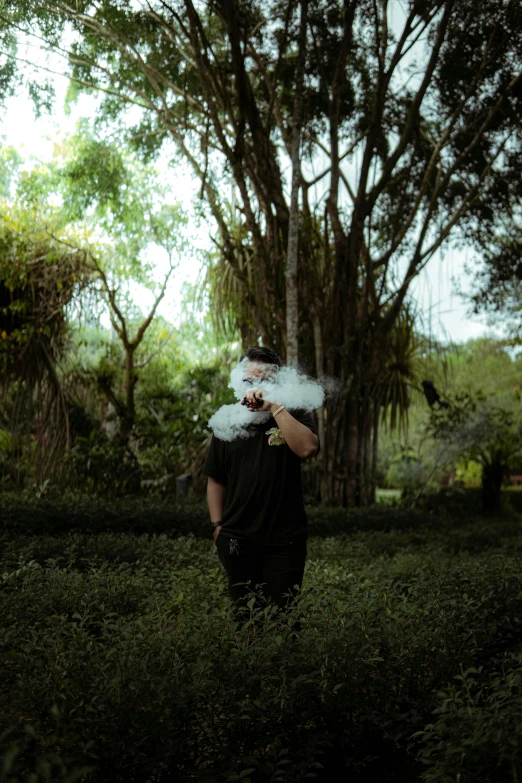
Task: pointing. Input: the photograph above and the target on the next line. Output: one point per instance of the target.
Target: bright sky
(444, 311)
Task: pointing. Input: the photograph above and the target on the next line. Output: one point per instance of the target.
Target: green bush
(56, 515)
(118, 654)
(407, 473)
(479, 726)
(101, 465)
(469, 473)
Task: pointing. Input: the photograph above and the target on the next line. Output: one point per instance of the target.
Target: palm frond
(400, 373)
(39, 278)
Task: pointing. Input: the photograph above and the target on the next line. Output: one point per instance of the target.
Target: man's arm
(215, 500)
(299, 438)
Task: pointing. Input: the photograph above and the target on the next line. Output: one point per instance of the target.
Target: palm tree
(391, 394)
(39, 278)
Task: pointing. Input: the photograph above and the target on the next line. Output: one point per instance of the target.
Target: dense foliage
(41, 279)
(114, 410)
(119, 658)
(480, 381)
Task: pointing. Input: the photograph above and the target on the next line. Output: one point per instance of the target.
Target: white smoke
(283, 385)
(235, 421)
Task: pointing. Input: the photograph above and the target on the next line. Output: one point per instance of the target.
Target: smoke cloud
(234, 421)
(283, 385)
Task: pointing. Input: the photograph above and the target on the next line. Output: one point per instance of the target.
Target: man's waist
(245, 544)
(258, 539)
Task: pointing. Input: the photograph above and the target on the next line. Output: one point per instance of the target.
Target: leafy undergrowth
(119, 660)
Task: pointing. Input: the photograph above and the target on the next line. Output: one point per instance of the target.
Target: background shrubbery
(118, 653)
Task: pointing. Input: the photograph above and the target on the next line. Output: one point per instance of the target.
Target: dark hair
(260, 354)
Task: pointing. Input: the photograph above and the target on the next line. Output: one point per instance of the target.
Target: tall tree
(130, 331)
(127, 208)
(119, 215)
(414, 107)
(292, 297)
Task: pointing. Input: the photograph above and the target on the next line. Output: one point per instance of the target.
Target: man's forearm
(298, 437)
(215, 499)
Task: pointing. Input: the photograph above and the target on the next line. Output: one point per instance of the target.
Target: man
(254, 492)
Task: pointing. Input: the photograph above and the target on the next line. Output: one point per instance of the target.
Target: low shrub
(119, 660)
(478, 725)
(407, 473)
(57, 515)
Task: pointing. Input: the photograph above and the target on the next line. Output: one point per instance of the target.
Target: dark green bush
(118, 654)
(58, 513)
(53, 515)
(102, 466)
(479, 726)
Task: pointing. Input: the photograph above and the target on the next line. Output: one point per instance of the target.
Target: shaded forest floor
(119, 660)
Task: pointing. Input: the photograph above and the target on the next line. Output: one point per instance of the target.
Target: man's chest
(262, 452)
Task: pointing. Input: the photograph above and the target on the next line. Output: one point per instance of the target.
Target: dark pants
(277, 569)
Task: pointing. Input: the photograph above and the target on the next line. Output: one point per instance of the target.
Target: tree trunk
(292, 299)
(365, 437)
(492, 477)
(351, 423)
(352, 446)
(319, 370)
(375, 451)
(130, 384)
(333, 472)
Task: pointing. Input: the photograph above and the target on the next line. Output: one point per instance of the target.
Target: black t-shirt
(264, 494)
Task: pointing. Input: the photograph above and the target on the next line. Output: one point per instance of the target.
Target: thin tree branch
(315, 180)
(147, 322)
(420, 258)
(334, 110)
(412, 113)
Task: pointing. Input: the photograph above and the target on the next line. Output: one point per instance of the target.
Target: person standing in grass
(255, 497)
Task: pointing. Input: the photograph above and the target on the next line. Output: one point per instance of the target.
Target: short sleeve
(215, 462)
(308, 419)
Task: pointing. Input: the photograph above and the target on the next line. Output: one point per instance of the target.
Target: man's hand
(215, 500)
(257, 394)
